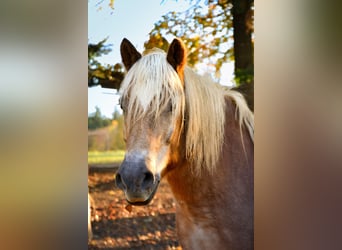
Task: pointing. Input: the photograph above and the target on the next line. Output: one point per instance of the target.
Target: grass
(97, 157)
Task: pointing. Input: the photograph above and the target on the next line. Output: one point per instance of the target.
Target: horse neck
(215, 209)
(236, 160)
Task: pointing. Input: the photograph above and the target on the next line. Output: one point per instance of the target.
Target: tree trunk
(247, 90)
(243, 48)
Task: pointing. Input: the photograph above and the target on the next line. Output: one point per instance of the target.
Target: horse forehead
(154, 51)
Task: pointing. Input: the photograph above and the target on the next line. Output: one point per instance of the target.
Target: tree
(220, 32)
(242, 11)
(105, 75)
(117, 141)
(156, 41)
(105, 134)
(214, 34)
(97, 121)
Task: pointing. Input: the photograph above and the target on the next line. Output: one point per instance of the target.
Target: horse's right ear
(129, 54)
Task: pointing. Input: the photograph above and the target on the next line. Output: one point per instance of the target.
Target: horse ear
(176, 55)
(129, 54)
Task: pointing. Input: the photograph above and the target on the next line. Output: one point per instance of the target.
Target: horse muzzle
(137, 181)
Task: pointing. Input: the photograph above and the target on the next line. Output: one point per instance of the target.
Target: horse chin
(147, 201)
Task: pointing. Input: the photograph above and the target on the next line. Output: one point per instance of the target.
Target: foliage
(96, 50)
(116, 135)
(244, 76)
(107, 76)
(99, 4)
(214, 33)
(96, 120)
(156, 41)
(105, 134)
(206, 31)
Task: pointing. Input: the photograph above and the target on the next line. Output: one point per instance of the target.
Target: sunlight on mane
(152, 83)
(205, 105)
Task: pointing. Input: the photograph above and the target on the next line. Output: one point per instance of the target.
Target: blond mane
(152, 83)
(205, 104)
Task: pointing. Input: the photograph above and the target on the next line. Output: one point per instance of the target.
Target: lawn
(97, 157)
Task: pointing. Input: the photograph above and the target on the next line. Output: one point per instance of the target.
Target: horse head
(153, 102)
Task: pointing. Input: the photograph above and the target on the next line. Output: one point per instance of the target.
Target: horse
(196, 134)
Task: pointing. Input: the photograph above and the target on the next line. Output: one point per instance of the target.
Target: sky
(133, 20)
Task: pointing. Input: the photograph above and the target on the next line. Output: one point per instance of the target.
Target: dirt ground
(117, 225)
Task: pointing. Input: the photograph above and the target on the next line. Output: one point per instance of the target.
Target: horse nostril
(118, 181)
(148, 179)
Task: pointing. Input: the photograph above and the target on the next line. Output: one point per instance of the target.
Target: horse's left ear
(176, 55)
(129, 54)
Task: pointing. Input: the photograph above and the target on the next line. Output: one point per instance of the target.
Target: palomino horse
(199, 136)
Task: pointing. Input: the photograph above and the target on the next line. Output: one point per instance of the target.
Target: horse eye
(121, 105)
(169, 107)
